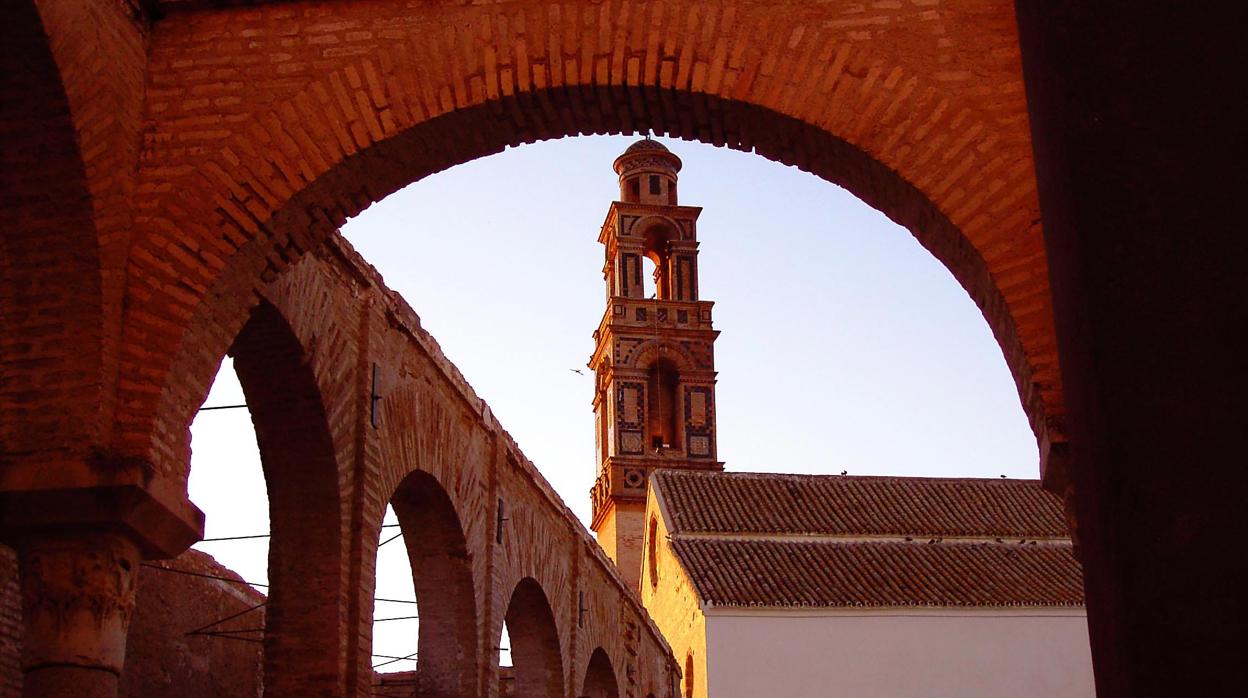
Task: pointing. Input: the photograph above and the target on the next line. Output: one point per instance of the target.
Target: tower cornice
(626, 208)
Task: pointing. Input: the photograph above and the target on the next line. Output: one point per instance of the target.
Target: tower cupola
(647, 173)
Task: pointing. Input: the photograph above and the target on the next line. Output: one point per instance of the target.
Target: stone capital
(78, 591)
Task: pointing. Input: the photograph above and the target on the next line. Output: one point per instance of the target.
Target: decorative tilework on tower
(654, 359)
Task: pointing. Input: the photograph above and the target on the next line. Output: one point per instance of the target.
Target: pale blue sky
(845, 345)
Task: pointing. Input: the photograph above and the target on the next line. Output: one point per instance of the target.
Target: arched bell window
(662, 382)
(634, 190)
(657, 250)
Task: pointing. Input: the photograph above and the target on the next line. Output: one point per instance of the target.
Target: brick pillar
(77, 598)
(1139, 143)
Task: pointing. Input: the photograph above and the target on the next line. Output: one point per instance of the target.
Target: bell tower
(654, 360)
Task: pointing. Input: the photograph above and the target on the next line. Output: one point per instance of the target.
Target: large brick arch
(304, 622)
(448, 650)
(600, 679)
(535, 653)
(238, 186)
(289, 357)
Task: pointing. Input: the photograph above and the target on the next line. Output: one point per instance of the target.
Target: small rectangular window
(654, 184)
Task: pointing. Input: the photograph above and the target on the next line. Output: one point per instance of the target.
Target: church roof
(776, 573)
(754, 539)
(709, 501)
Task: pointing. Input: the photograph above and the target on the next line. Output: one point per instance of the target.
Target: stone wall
(670, 598)
(162, 659)
(400, 684)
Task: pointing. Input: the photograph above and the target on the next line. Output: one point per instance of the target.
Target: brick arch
(652, 350)
(644, 224)
(600, 681)
(935, 150)
(448, 652)
(535, 652)
(648, 224)
(302, 627)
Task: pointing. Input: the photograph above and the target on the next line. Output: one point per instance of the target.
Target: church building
(803, 586)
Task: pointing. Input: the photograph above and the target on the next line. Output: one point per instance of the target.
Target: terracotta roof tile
(739, 572)
(765, 503)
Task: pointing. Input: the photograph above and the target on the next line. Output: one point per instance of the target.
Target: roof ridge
(753, 474)
(852, 539)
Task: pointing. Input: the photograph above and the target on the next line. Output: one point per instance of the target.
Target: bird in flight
(577, 371)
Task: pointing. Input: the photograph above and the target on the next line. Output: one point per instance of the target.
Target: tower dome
(647, 171)
(646, 144)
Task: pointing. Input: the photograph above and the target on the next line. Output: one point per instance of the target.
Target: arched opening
(657, 250)
(600, 677)
(632, 192)
(831, 251)
(651, 277)
(562, 371)
(537, 661)
(602, 433)
(399, 160)
(652, 551)
(396, 612)
(689, 678)
(441, 572)
(662, 403)
(302, 615)
(673, 412)
(301, 476)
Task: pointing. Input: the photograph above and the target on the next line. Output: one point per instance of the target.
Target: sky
(844, 344)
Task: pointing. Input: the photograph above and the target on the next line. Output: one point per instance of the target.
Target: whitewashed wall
(1024, 653)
